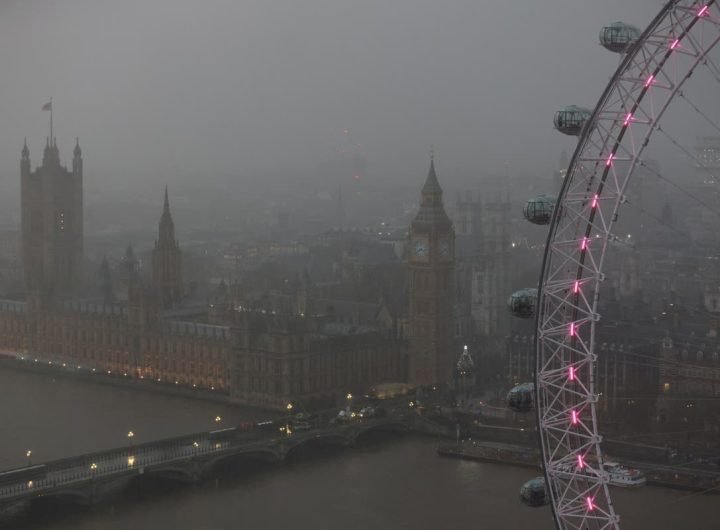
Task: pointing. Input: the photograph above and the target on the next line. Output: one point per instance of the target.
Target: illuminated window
(666, 387)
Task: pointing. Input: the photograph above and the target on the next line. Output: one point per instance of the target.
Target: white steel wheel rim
(610, 148)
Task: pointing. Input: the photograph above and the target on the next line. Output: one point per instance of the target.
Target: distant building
(707, 154)
(305, 348)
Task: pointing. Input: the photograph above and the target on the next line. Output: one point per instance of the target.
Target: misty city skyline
(168, 92)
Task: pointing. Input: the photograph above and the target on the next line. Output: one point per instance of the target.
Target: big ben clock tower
(431, 260)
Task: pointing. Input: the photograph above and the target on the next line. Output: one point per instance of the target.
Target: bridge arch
(336, 439)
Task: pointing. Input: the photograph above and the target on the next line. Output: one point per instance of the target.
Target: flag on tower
(47, 106)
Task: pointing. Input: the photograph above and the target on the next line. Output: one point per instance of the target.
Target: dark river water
(395, 482)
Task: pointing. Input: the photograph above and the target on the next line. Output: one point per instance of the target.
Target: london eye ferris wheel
(655, 66)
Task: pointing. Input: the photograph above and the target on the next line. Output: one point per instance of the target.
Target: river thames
(397, 482)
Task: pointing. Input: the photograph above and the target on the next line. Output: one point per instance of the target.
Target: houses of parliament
(304, 349)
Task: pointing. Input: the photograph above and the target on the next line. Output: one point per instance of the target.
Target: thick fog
(176, 90)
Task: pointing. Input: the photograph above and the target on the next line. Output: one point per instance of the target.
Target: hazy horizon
(169, 92)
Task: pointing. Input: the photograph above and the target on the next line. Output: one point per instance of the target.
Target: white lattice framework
(650, 76)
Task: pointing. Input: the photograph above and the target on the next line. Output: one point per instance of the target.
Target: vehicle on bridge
(23, 474)
(267, 426)
(298, 425)
(223, 434)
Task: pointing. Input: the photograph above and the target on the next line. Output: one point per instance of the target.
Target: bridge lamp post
(131, 436)
(195, 448)
(29, 457)
(287, 422)
(218, 419)
(93, 469)
(349, 401)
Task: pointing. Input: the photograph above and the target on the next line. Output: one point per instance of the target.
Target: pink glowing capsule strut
(581, 462)
(628, 119)
(589, 502)
(576, 288)
(572, 329)
(649, 81)
(703, 11)
(609, 160)
(595, 201)
(571, 373)
(583, 245)
(574, 417)
(675, 44)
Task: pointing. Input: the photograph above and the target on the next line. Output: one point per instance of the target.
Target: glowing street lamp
(29, 457)
(195, 448)
(93, 469)
(218, 419)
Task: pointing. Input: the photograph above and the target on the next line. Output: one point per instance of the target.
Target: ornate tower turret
(25, 161)
(167, 260)
(52, 223)
(77, 158)
(431, 262)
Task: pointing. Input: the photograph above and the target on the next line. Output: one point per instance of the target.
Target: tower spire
(432, 186)
(166, 204)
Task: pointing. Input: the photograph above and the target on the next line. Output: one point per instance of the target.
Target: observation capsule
(522, 303)
(538, 210)
(571, 120)
(521, 397)
(618, 37)
(534, 492)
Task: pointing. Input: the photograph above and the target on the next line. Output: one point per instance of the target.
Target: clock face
(420, 247)
(445, 248)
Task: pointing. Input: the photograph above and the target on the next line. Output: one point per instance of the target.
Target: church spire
(166, 236)
(167, 260)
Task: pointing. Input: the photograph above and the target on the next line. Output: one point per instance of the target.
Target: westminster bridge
(87, 478)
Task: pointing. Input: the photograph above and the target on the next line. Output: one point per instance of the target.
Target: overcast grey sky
(169, 89)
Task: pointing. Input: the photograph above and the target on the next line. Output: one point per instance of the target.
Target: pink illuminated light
(590, 504)
(574, 417)
(581, 462)
(576, 288)
(584, 243)
(703, 11)
(571, 373)
(609, 160)
(675, 44)
(628, 118)
(572, 329)
(595, 201)
(649, 81)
